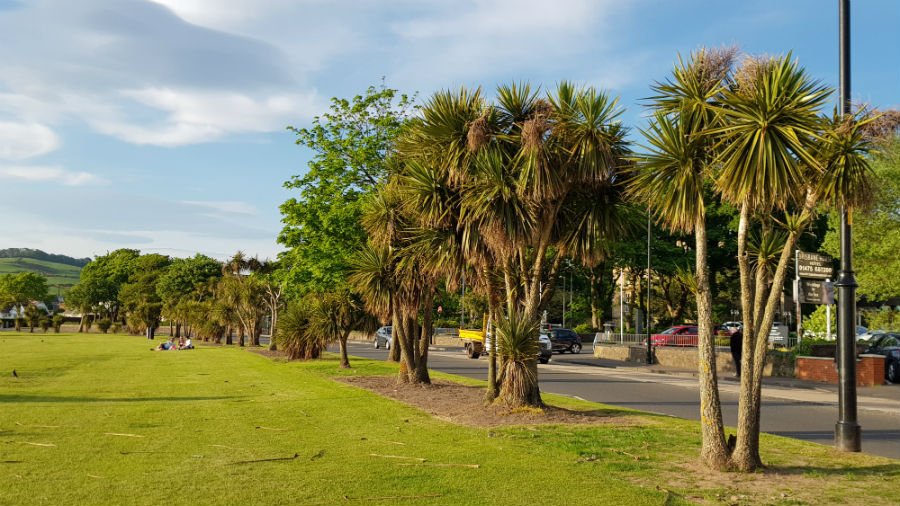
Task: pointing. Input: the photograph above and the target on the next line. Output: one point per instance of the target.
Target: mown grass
(100, 419)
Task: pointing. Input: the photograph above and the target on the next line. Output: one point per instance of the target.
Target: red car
(679, 335)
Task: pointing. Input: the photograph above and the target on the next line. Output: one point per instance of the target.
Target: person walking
(737, 345)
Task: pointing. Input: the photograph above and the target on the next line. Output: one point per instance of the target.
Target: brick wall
(869, 370)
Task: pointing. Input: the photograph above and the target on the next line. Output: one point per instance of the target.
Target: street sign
(812, 291)
(814, 265)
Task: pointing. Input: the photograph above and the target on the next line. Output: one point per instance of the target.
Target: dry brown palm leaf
(479, 134)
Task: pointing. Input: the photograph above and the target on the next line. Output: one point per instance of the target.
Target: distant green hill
(58, 275)
(41, 255)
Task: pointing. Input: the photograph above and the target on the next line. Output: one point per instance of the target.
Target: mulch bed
(465, 405)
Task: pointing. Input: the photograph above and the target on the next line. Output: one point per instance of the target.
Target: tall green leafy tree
(21, 289)
(876, 232)
(139, 296)
(180, 285)
(102, 278)
(350, 145)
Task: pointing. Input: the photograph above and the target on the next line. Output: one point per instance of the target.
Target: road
(809, 420)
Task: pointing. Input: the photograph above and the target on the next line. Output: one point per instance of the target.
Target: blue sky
(160, 125)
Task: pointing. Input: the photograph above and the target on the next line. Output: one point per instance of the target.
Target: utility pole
(847, 435)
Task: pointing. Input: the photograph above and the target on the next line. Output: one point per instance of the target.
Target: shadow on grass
(55, 398)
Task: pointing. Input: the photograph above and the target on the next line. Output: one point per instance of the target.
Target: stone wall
(869, 370)
(439, 339)
(777, 363)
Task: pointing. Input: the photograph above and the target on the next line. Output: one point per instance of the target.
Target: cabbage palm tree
(673, 179)
(778, 157)
(535, 180)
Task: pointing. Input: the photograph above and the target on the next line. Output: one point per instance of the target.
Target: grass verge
(100, 419)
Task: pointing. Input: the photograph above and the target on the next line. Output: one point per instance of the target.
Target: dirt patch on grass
(465, 405)
(808, 483)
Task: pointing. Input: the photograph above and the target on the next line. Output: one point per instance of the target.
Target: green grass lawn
(100, 419)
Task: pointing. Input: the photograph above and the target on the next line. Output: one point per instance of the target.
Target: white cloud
(229, 206)
(49, 174)
(19, 141)
(194, 116)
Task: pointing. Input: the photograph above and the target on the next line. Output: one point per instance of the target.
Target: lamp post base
(847, 437)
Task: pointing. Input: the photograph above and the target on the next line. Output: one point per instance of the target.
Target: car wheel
(376, 344)
(576, 348)
(544, 360)
(892, 372)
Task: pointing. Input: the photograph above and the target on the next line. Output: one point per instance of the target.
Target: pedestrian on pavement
(737, 345)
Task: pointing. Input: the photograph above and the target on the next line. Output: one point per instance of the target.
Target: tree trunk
(229, 336)
(714, 451)
(273, 329)
(345, 360)
(177, 329)
(427, 331)
(394, 355)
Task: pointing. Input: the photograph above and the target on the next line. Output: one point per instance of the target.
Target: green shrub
(885, 318)
(116, 327)
(45, 324)
(805, 347)
(104, 325)
(816, 323)
(57, 322)
(584, 328)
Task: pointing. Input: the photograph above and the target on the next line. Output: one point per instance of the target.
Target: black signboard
(814, 291)
(813, 265)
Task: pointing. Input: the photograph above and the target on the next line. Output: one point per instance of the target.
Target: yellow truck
(473, 342)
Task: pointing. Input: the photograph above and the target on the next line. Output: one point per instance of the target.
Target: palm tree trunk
(345, 360)
(714, 451)
(427, 331)
(394, 355)
(745, 456)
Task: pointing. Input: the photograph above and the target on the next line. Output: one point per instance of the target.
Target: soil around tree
(465, 405)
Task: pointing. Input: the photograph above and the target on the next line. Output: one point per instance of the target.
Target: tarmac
(882, 398)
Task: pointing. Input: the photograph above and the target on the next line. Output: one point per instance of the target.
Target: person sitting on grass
(186, 344)
(166, 345)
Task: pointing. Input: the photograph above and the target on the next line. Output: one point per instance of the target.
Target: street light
(649, 341)
(846, 431)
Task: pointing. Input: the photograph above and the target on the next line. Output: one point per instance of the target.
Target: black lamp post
(649, 336)
(846, 432)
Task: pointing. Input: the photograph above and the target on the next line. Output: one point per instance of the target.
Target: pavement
(883, 398)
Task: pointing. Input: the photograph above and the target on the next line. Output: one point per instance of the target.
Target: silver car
(383, 337)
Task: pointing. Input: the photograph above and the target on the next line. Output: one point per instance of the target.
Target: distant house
(8, 316)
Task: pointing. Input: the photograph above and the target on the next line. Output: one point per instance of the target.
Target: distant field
(57, 274)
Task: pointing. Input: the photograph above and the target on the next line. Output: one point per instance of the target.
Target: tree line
(402, 204)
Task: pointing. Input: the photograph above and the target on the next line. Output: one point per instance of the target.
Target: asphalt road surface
(679, 396)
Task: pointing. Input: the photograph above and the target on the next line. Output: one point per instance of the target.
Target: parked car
(563, 340)
(546, 349)
(679, 335)
(732, 327)
(887, 344)
(383, 337)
